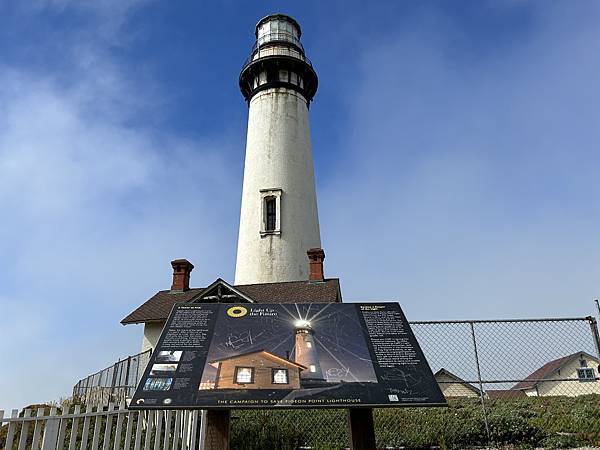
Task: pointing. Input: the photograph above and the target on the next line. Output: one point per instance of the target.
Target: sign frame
(191, 338)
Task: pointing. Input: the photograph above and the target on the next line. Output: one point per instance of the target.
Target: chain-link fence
(531, 383)
(114, 383)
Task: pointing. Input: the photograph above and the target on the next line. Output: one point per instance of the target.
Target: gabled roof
(265, 353)
(220, 291)
(456, 378)
(158, 307)
(548, 369)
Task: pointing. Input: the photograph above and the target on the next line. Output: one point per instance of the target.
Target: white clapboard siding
(98, 427)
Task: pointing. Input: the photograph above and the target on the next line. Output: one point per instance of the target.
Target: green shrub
(550, 422)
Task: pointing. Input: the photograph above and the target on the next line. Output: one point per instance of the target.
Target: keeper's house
(571, 375)
(257, 370)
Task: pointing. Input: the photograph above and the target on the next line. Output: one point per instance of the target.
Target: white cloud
(93, 209)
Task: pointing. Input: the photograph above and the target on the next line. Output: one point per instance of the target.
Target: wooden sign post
(218, 424)
(361, 429)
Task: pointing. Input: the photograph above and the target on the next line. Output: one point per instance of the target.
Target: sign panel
(251, 355)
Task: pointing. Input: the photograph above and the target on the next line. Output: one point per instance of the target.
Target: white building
(571, 375)
(453, 386)
(278, 220)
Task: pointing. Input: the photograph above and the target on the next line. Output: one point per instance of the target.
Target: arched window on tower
(271, 210)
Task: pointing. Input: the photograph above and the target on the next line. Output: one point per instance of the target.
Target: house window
(280, 376)
(309, 344)
(313, 368)
(582, 363)
(271, 211)
(244, 375)
(586, 374)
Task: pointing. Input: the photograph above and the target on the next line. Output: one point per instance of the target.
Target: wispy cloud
(95, 203)
(469, 188)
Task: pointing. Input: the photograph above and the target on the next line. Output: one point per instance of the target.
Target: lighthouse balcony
(264, 52)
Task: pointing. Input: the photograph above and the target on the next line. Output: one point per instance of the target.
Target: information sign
(251, 355)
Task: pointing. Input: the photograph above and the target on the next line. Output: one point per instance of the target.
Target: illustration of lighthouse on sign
(306, 352)
(309, 346)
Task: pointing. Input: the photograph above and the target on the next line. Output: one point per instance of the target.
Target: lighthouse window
(309, 344)
(280, 376)
(262, 77)
(283, 75)
(270, 200)
(313, 368)
(271, 207)
(244, 375)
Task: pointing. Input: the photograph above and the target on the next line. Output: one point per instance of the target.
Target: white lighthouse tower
(279, 220)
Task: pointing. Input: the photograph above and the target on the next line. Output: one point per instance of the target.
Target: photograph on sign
(287, 355)
(169, 356)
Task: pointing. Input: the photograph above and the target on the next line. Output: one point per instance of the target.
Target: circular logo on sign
(237, 311)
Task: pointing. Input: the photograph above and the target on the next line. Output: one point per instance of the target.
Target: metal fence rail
(114, 383)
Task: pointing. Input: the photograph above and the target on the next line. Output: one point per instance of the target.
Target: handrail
(296, 45)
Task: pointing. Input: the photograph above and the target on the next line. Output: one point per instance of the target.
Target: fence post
(595, 336)
(87, 388)
(362, 428)
(202, 441)
(217, 429)
(127, 376)
(51, 431)
(481, 394)
(113, 381)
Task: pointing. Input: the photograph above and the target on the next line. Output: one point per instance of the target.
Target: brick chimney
(181, 274)
(316, 256)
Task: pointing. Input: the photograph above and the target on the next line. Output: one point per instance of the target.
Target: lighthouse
(279, 220)
(305, 352)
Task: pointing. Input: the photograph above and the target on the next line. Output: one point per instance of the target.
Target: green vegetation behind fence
(550, 422)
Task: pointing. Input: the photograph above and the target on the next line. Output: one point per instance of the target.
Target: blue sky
(455, 143)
